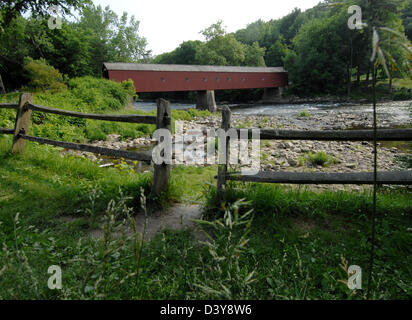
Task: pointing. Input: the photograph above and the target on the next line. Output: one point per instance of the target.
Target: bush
(402, 94)
(305, 114)
(320, 159)
(42, 76)
(85, 94)
(102, 94)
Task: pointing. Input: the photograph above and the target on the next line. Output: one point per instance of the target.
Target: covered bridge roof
(187, 68)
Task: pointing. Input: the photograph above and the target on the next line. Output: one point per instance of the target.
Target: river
(400, 111)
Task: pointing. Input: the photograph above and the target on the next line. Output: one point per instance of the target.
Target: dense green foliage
(316, 46)
(79, 48)
(407, 20)
(320, 52)
(219, 48)
(42, 76)
(12, 9)
(84, 94)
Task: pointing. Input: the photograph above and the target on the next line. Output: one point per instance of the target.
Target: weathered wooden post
(22, 123)
(162, 171)
(222, 168)
(2, 88)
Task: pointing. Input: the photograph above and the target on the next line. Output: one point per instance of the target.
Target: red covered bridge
(204, 79)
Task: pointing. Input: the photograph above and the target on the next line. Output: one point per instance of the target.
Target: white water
(399, 110)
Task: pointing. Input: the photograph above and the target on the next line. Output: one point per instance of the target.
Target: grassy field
(297, 246)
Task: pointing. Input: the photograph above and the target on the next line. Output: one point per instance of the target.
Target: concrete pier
(272, 94)
(206, 100)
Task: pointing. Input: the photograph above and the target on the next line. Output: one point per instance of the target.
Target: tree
(79, 48)
(126, 44)
(407, 20)
(184, 54)
(70, 50)
(214, 31)
(254, 55)
(225, 50)
(290, 25)
(254, 32)
(319, 62)
(277, 52)
(111, 38)
(13, 49)
(12, 9)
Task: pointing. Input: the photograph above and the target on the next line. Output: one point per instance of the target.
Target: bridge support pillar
(271, 94)
(206, 100)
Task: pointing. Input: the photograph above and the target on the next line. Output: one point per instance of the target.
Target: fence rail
(6, 131)
(140, 156)
(395, 177)
(8, 106)
(25, 107)
(117, 118)
(333, 135)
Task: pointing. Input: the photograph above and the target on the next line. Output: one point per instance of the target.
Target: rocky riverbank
(294, 156)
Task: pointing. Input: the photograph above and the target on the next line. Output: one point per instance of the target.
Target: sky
(167, 23)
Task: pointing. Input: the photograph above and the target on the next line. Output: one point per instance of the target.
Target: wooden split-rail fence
(163, 121)
(20, 133)
(394, 178)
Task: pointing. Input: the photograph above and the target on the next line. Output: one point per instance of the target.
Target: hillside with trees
(316, 46)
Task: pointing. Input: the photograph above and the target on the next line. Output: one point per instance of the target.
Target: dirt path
(177, 217)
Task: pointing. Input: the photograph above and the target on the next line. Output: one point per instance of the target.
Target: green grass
(291, 246)
(401, 90)
(292, 249)
(320, 159)
(314, 231)
(85, 94)
(90, 95)
(402, 83)
(295, 244)
(305, 114)
(189, 183)
(43, 184)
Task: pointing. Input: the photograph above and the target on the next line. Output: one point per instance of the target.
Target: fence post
(222, 168)
(2, 88)
(22, 122)
(162, 171)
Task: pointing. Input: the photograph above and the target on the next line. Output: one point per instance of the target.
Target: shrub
(305, 114)
(402, 94)
(102, 94)
(320, 158)
(42, 76)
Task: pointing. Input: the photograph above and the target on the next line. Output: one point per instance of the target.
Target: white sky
(167, 23)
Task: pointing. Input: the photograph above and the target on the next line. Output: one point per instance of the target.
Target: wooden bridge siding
(151, 81)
